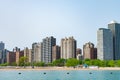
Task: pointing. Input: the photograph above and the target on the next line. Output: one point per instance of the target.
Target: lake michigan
(59, 74)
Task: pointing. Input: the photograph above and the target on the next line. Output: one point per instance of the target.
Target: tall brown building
(28, 54)
(55, 53)
(14, 57)
(11, 58)
(19, 54)
(78, 51)
(89, 52)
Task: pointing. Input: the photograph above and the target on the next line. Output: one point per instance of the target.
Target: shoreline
(60, 68)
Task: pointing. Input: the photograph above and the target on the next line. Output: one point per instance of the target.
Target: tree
(72, 62)
(111, 63)
(4, 64)
(96, 62)
(118, 63)
(59, 62)
(39, 64)
(87, 61)
(103, 63)
(49, 64)
(13, 64)
(23, 61)
(80, 62)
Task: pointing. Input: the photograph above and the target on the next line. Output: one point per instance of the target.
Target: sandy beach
(58, 68)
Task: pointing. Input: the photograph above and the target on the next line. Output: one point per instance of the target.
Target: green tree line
(72, 62)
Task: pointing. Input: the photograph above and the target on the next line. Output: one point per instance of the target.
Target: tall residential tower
(68, 48)
(37, 52)
(89, 52)
(48, 43)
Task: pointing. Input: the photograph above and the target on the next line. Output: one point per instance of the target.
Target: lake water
(59, 75)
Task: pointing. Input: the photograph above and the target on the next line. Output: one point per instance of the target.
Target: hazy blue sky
(23, 22)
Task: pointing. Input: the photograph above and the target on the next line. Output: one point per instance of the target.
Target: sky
(23, 22)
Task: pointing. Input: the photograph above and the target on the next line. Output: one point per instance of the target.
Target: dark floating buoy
(44, 73)
(90, 73)
(111, 73)
(68, 73)
(19, 73)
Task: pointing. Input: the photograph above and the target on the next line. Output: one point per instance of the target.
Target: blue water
(59, 75)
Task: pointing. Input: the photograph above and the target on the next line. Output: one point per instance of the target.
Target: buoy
(44, 73)
(90, 73)
(68, 73)
(19, 73)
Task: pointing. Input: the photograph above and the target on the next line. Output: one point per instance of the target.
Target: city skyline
(25, 22)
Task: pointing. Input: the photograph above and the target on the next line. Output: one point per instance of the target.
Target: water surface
(59, 75)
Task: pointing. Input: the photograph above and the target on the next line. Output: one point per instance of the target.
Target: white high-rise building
(68, 48)
(104, 44)
(37, 52)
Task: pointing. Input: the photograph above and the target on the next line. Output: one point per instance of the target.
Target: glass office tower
(115, 28)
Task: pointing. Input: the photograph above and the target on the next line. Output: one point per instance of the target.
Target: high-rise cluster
(108, 42)
(45, 51)
(108, 48)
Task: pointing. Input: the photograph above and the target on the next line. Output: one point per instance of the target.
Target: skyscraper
(115, 28)
(104, 44)
(3, 56)
(68, 48)
(2, 46)
(48, 43)
(3, 53)
(89, 52)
